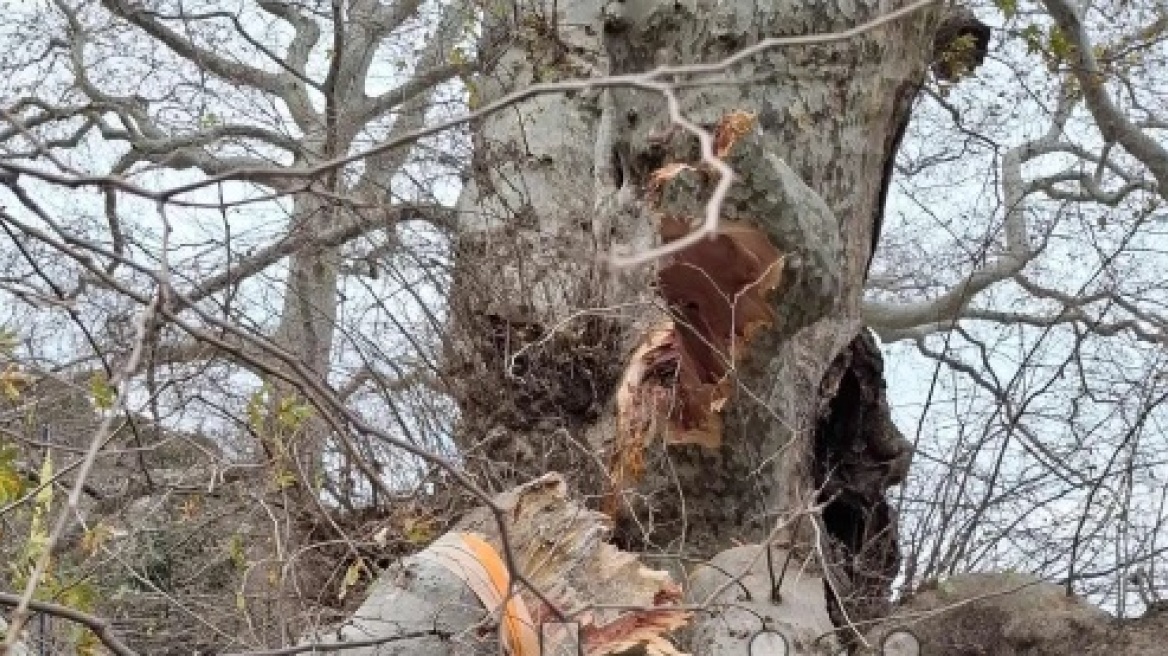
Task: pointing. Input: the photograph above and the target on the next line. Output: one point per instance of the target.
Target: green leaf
(1032, 35)
(352, 576)
(473, 96)
(12, 381)
(44, 497)
(1009, 8)
(81, 596)
(256, 405)
(1060, 45)
(102, 392)
(292, 413)
(9, 340)
(12, 483)
(285, 479)
(88, 644)
(236, 552)
(418, 530)
(38, 532)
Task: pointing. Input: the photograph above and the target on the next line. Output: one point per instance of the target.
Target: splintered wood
(605, 601)
(680, 377)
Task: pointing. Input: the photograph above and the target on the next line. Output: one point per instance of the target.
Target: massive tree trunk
(544, 327)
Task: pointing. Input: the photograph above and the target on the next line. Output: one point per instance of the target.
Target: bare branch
(414, 98)
(1111, 121)
(145, 325)
(306, 37)
(100, 627)
(340, 647)
(890, 320)
(386, 18)
(299, 22)
(329, 237)
(421, 83)
(649, 81)
(231, 71)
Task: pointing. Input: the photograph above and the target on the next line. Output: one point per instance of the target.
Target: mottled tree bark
(543, 327)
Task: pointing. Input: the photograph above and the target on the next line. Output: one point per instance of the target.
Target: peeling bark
(718, 294)
(563, 179)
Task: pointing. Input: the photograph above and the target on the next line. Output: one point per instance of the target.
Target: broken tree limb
(574, 592)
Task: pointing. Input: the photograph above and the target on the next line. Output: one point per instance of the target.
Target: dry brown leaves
(730, 129)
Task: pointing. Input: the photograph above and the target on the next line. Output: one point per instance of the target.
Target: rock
(998, 615)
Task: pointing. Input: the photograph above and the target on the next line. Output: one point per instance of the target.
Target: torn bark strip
(476, 562)
(679, 377)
